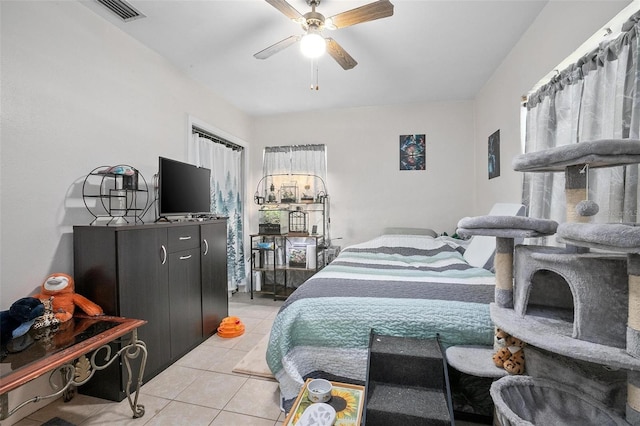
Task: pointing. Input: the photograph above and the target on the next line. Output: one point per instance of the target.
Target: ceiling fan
(314, 22)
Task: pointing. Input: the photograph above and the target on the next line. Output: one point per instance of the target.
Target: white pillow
(481, 249)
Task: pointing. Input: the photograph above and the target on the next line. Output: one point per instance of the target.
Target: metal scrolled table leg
(132, 351)
(66, 371)
(85, 370)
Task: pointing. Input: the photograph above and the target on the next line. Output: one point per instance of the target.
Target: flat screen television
(183, 188)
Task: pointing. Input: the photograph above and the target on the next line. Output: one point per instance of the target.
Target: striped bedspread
(413, 286)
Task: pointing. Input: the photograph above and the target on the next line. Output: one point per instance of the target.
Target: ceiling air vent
(124, 10)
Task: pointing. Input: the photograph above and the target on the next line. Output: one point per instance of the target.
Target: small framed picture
(412, 152)
(494, 155)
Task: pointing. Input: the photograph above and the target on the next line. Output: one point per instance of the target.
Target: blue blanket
(414, 286)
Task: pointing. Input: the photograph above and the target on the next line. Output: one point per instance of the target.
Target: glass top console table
(74, 350)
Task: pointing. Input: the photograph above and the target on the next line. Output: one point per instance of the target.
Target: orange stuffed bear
(62, 288)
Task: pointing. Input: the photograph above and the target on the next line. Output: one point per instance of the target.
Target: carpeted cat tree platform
(578, 310)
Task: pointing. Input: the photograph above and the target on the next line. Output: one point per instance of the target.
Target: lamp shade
(313, 45)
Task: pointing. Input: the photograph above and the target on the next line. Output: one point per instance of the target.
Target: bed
(401, 285)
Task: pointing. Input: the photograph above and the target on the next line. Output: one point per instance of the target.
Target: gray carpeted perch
(600, 153)
(617, 237)
(506, 226)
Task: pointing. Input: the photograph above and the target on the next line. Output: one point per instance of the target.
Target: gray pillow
(410, 231)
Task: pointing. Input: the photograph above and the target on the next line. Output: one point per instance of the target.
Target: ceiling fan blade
(275, 48)
(368, 12)
(288, 10)
(339, 54)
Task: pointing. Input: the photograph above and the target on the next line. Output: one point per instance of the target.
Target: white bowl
(319, 390)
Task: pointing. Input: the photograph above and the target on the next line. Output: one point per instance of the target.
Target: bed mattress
(415, 286)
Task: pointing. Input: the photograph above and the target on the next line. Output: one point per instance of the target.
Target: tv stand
(172, 275)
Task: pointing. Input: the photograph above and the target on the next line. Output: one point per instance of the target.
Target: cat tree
(577, 309)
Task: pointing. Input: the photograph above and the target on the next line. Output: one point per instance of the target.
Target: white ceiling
(428, 51)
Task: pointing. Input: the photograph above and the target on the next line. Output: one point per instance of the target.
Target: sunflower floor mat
(346, 399)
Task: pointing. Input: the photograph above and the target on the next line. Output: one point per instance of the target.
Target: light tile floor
(198, 389)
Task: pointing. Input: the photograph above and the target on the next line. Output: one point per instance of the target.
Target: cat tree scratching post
(506, 229)
(623, 238)
(586, 321)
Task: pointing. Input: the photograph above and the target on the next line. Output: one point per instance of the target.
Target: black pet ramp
(407, 382)
(406, 361)
(398, 405)
(57, 421)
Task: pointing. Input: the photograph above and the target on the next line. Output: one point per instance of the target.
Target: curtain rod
(317, 146)
(216, 139)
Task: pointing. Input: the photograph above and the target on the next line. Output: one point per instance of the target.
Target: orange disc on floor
(230, 327)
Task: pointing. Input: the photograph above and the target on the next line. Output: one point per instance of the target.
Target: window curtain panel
(276, 160)
(298, 160)
(226, 198)
(595, 98)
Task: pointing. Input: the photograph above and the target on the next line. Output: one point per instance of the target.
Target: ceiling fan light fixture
(313, 45)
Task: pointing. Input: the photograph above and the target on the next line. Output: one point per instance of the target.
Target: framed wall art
(413, 154)
(493, 165)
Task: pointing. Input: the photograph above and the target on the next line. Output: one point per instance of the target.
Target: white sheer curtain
(311, 159)
(283, 161)
(595, 98)
(226, 198)
(276, 160)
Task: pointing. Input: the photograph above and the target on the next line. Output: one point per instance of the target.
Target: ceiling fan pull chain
(314, 74)
(311, 85)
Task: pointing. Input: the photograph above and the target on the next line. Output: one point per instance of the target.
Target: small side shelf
(115, 193)
(275, 257)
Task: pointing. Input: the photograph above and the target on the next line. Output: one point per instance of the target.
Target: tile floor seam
(234, 395)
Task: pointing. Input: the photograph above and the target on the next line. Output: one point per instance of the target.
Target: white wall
(367, 190)
(77, 93)
(559, 30)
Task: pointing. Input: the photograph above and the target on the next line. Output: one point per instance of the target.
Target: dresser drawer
(183, 238)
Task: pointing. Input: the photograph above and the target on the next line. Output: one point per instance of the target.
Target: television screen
(183, 188)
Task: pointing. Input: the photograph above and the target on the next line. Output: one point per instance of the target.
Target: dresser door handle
(206, 247)
(185, 257)
(185, 238)
(164, 254)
